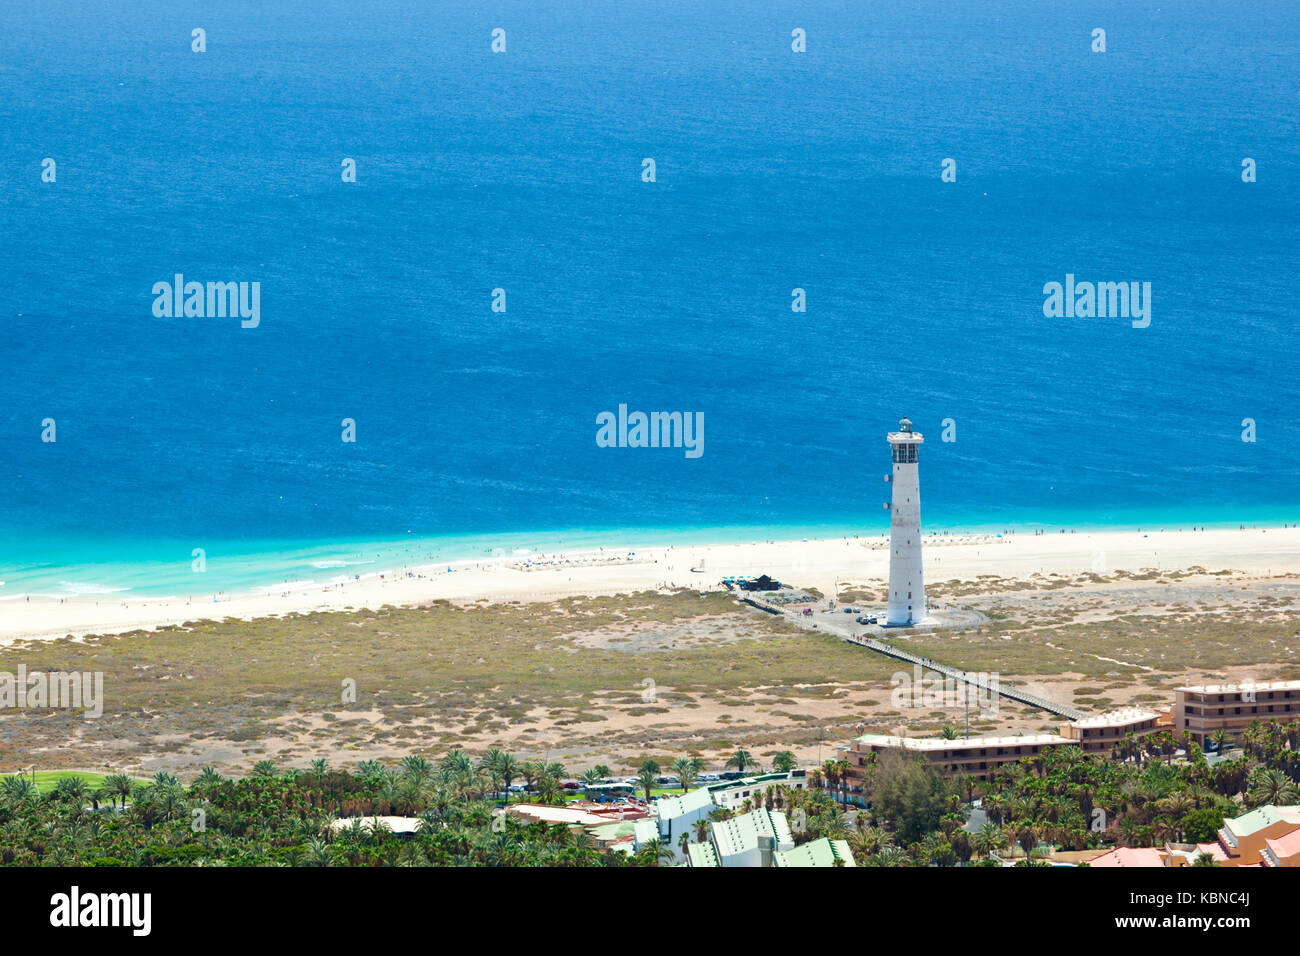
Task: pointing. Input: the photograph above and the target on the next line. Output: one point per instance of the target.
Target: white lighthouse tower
(906, 587)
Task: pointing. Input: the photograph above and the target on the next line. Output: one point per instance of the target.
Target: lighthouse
(906, 587)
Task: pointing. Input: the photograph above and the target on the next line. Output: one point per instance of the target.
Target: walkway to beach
(966, 677)
(829, 625)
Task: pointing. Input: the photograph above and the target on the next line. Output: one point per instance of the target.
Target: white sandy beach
(810, 563)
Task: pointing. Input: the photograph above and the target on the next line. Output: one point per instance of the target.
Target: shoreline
(823, 563)
(163, 569)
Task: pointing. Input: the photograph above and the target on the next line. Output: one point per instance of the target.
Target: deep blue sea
(522, 170)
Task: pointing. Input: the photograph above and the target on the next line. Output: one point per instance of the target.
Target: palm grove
(1143, 795)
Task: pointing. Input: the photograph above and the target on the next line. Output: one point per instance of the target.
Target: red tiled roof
(1285, 846)
(1129, 857)
(1214, 849)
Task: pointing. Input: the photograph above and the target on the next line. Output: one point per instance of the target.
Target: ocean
(524, 171)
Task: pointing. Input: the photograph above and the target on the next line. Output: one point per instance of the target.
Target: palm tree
(1130, 830)
(508, 769)
(548, 789)
(1291, 734)
(888, 856)
(1199, 793)
(317, 853)
(71, 789)
(456, 764)
(831, 773)
(658, 852)
(740, 760)
(784, 762)
(987, 839)
(842, 772)
(967, 783)
(1164, 830)
(1009, 835)
(1176, 805)
(868, 841)
(207, 779)
(1221, 739)
(686, 771)
(1271, 786)
(646, 780)
(119, 784)
(17, 789)
(1027, 837)
(1254, 738)
(529, 771)
(501, 769)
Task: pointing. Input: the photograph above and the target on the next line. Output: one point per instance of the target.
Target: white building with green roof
(762, 838)
(751, 839)
(680, 813)
(644, 831)
(702, 854)
(733, 793)
(820, 852)
(674, 816)
(688, 804)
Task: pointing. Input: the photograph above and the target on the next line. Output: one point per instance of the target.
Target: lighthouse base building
(906, 583)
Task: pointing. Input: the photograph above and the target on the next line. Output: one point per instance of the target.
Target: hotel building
(1101, 733)
(977, 756)
(1201, 710)
(980, 756)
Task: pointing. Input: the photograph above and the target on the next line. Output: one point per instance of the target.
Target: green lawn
(48, 778)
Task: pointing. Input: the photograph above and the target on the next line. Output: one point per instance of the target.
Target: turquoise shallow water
(166, 568)
(521, 171)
